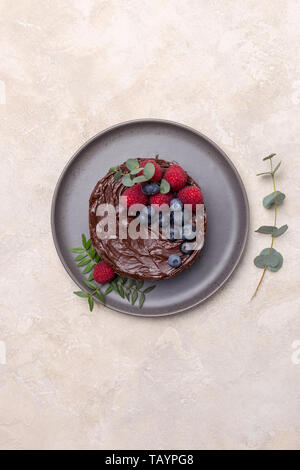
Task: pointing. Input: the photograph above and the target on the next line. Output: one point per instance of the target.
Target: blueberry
(186, 249)
(177, 218)
(150, 188)
(164, 220)
(176, 205)
(175, 234)
(143, 219)
(147, 213)
(189, 232)
(174, 261)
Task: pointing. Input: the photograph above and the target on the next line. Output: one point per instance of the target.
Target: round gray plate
(225, 198)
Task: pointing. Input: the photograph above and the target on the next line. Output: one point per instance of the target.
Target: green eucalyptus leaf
(149, 170)
(276, 168)
(149, 289)
(276, 268)
(135, 171)
(92, 252)
(279, 198)
(97, 258)
(84, 242)
(91, 302)
(139, 179)
(139, 284)
(113, 168)
(266, 230)
(134, 296)
(100, 296)
(127, 295)
(114, 286)
(83, 262)
(164, 186)
(130, 283)
(273, 198)
(127, 181)
(80, 257)
(269, 157)
(118, 175)
(259, 262)
(91, 276)
(90, 284)
(81, 294)
(121, 291)
(88, 244)
(278, 256)
(267, 259)
(108, 290)
(77, 250)
(280, 231)
(142, 299)
(132, 163)
(88, 268)
(264, 173)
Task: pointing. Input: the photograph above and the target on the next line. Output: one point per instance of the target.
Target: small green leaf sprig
(131, 290)
(269, 258)
(131, 178)
(86, 256)
(125, 288)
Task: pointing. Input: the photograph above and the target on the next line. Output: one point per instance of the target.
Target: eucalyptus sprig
(132, 177)
(125, 288)
(269, 258)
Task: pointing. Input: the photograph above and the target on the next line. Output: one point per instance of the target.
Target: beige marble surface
(222, 376)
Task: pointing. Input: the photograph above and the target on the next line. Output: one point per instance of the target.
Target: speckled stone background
(226, 375)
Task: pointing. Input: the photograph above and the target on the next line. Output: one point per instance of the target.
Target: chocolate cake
(137, 259)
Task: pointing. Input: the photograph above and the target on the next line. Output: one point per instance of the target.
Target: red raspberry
(176, 177)
(134, 196)
(103, 273)
(158, 171)
(191, 195)
(160, 199)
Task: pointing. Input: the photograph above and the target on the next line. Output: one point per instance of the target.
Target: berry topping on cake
(176, 205)
(176, 177)
(175, 234)
(158, 171)
(164, 225)
(191, 195)
(103, 273)
(174, 261)
(147, 215)
(164, 220)
(134, 195)
(161, 199)
(150, 188)
(186, 249)
(189, 232)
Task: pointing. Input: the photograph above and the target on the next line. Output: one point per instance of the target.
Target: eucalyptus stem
(275, 222)
(260, 282)
(275, 204)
